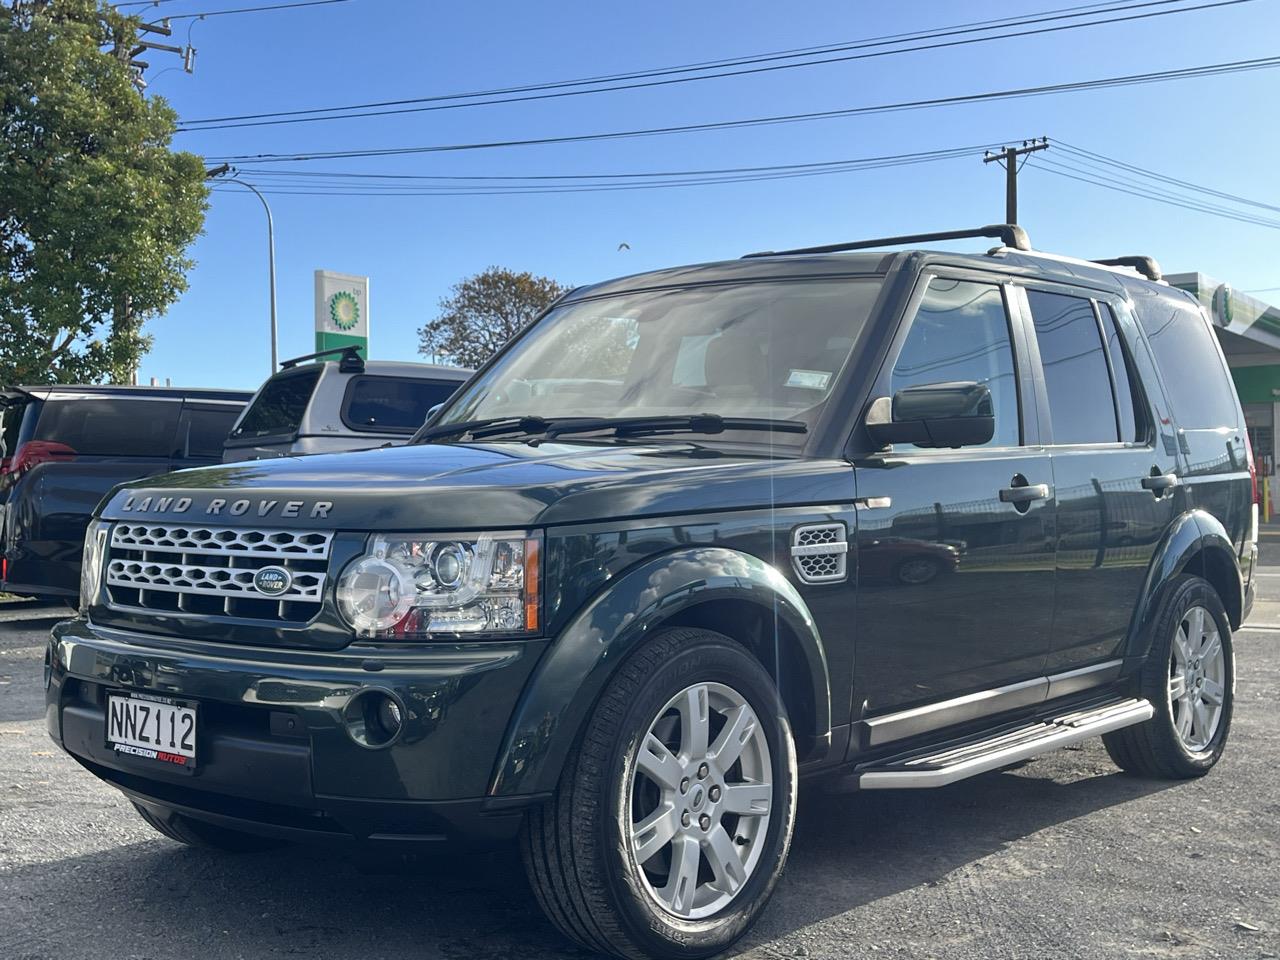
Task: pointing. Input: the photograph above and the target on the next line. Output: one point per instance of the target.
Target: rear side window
(961, 332)
(280, 405)
(398, 404)
(1129, 398)
(110, 427)
(11, 415)
(1081, 405)
(1187, 355)
(204, 430)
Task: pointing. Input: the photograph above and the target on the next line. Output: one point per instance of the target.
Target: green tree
(96, 210)
(485, 311)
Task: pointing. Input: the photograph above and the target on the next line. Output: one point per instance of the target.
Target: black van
(886, 519)
(63, 447)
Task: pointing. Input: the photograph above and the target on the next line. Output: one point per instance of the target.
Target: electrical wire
(658, 78)
(1162, 76)
(274, 6)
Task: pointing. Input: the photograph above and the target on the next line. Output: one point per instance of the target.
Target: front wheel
(1189, 677)
(673, 817)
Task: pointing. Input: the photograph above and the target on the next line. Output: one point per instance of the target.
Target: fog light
(374, 718)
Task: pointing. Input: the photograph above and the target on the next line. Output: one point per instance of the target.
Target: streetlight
(218, 171)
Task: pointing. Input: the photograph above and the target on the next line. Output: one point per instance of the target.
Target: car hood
(479, 486)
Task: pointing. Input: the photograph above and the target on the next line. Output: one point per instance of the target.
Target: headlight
(410, 585)
(95, 543)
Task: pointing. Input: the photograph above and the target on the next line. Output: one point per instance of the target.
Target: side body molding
(1194, 534)
(572, 674)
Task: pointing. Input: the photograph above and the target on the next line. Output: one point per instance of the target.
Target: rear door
(110, 439)
(1112, 471)
(955, 547)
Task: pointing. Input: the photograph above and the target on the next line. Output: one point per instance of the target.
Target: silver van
(329, 406)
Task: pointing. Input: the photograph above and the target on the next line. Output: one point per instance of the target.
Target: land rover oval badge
(272, 581)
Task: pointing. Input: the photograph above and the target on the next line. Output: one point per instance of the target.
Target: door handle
(1161, 482)
(1025, 494)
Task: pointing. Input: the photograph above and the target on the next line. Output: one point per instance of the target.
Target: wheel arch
(714, 588)
(1196, 543)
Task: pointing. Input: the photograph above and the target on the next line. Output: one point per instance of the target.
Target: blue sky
(1217, 131)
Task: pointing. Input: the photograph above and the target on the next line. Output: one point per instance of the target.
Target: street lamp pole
(271, 254)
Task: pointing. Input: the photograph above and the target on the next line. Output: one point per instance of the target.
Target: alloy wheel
(701, 800)
(1197, 679)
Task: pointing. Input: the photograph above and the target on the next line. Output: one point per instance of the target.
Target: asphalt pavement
(1063, 857)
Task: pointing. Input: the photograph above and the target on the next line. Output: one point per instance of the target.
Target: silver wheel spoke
(722, 854)
(1177, 688)
(1181, 646)
(1195, 627)
(1212, 647)
(748, 799)
(682, 882)
(1212, 692)
(737, 731)
(658, 763)
(1184, 719)
(654, 832)
(695, 725)
(1201, 713)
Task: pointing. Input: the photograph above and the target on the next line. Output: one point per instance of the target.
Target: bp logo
(344, 311)
(273, 581)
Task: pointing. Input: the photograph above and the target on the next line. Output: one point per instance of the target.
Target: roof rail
(1010, 234)
(351, 361)
(1146, 266)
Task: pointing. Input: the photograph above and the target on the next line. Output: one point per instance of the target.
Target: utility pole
(1007, 157)
(219, 171)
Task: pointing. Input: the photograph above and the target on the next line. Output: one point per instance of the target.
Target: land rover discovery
(887, 519)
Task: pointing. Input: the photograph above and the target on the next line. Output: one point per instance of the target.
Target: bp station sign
(342, 311)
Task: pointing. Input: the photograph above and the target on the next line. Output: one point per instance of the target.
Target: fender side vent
(819, 552)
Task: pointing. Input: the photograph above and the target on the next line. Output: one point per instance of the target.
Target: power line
(336, 184)
(274, 6)
(663, 76)
(1215, 69)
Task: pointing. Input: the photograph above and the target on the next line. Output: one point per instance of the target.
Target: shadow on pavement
(158, 899)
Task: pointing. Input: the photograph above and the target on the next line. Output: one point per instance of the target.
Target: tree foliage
(96, 210)
(485, 311)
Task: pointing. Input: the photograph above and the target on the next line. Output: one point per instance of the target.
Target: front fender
(1194, 534)
(572, 674)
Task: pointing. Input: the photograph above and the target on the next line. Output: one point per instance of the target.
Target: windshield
(766, 349)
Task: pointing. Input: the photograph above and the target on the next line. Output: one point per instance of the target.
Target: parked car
(62, 448)
(333, 405)
(617, 620)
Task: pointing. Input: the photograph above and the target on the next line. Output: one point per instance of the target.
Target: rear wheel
(673, 818)
(196, 833)
(1189, 678)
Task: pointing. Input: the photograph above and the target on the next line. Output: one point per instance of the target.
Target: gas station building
(1249, 331)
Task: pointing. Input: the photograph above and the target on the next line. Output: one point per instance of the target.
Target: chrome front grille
(210, 571)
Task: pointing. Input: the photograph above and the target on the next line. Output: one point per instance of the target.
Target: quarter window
(961, 332)
(1199, 388)
(1081, 405)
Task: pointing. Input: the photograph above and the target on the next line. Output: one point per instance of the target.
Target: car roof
(68, 391)
(390, 368)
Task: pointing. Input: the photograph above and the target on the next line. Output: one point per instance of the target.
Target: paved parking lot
(1063, 857)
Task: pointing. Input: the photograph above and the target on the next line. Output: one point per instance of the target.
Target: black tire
(1154, 749)
(196, 833)
(576, 847)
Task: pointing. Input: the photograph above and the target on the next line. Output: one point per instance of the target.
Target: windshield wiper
(484, 428)
(709, 423)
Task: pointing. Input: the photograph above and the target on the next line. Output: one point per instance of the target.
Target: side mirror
(955, 414)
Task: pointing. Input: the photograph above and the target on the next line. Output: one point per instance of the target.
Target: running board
(935, 767)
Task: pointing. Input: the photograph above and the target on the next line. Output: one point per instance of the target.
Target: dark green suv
(884, 519)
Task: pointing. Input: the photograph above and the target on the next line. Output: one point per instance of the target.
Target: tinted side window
(280, 405)
(204, 430)
(11, 415)
(961, 332)
(110, 427)
(1081, 406)
(392, 403)
(1129, 399)
(1187, 355)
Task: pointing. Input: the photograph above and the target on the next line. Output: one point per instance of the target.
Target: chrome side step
(934, 767)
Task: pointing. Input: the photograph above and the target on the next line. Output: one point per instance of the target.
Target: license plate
(155, 728)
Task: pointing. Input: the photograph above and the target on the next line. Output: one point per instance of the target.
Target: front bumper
(274, 755)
